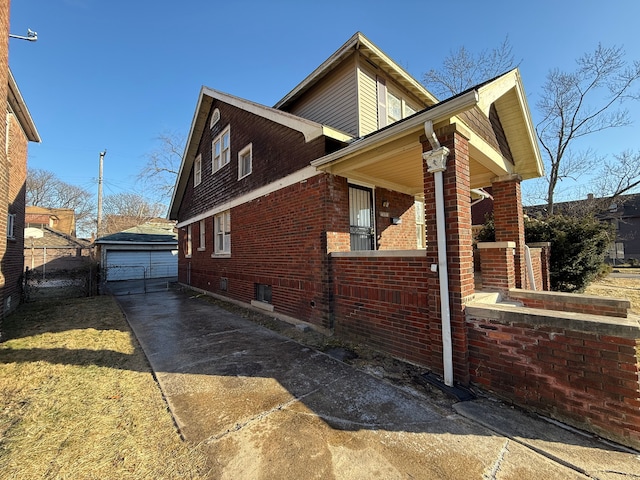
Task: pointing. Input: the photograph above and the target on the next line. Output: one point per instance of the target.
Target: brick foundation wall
(381, 301)
(583, 373)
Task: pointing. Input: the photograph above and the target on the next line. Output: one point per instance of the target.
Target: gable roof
(309, 129)
(52, 238)
(358, 42)
(143, 234)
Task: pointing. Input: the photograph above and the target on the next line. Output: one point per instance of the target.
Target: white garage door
(138, 264)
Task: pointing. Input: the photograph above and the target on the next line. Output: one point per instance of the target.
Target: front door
(361, 218)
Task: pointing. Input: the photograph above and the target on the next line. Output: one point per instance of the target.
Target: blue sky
(116, 74)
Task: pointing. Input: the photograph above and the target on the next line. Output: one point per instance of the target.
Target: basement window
(263, 297)
(263, 293)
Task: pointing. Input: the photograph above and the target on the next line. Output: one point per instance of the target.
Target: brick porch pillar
(496, 260)
(508, 218)
(459, 250)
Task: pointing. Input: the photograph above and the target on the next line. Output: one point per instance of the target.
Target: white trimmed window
(197, 171)
(396, 107)
(11, 223)
(202, 235)
(189, 246)
(215, 117)
(221, 147)
(245, 159)
(222, 233)
(421, 232)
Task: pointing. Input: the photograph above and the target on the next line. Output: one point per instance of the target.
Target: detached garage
(143, 252)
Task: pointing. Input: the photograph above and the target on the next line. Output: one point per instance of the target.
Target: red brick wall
(399, 236)
(10, 251)
(571, 302)
(13, 262)
(508, 218)
(382, 302)
(588, 380)
(497, 265)
(277, 240)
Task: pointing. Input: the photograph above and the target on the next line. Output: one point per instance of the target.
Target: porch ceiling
(397, 163)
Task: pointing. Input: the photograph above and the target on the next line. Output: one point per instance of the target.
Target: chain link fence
(138, 279)
(82, 281)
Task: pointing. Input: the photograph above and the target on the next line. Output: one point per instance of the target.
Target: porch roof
(392, 157)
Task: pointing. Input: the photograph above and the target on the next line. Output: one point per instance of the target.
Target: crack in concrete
(260, 416)
(491, 475)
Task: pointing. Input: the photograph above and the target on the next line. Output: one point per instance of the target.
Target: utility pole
(102, 154)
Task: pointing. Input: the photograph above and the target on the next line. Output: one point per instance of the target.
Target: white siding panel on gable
(334, 101)
(367, 99)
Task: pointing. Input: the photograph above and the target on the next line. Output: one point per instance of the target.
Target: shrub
(578, 247)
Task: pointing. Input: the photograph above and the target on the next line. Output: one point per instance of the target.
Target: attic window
(215, 116)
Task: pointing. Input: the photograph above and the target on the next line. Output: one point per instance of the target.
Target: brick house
(277, 206)
(17, 130)
(347, 206)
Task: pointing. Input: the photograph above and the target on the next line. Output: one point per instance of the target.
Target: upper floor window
(202, 232)
(245, 158)
(221, 147)
(197, 171)
(215, 116)
(394, 109)
(222, 233)
(393, 106)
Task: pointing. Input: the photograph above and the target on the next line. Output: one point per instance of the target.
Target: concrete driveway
(266, 407)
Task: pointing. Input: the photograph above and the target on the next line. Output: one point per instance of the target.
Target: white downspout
(437, 163)
(527, 259)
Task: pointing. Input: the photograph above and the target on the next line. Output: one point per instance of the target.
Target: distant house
(144, 251)
(60, 219)
(18, 131)
(623, 213)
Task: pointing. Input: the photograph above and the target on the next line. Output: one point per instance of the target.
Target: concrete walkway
(265, 407)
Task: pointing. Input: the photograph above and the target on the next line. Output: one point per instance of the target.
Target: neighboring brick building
(17, 131)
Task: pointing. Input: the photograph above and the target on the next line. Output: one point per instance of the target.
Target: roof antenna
(31, 36)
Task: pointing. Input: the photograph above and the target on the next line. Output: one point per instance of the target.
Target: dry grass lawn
(628, 288)
(78, 399)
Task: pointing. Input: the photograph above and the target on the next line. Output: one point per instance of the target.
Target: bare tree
(581, 103)
(463, 69)
(45, 189)
(163, 164)
(126, 210)
(619, 177)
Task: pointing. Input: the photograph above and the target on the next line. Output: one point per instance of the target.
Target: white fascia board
(19, 107)
(187, 159)
(310, 130)
(296, 177)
